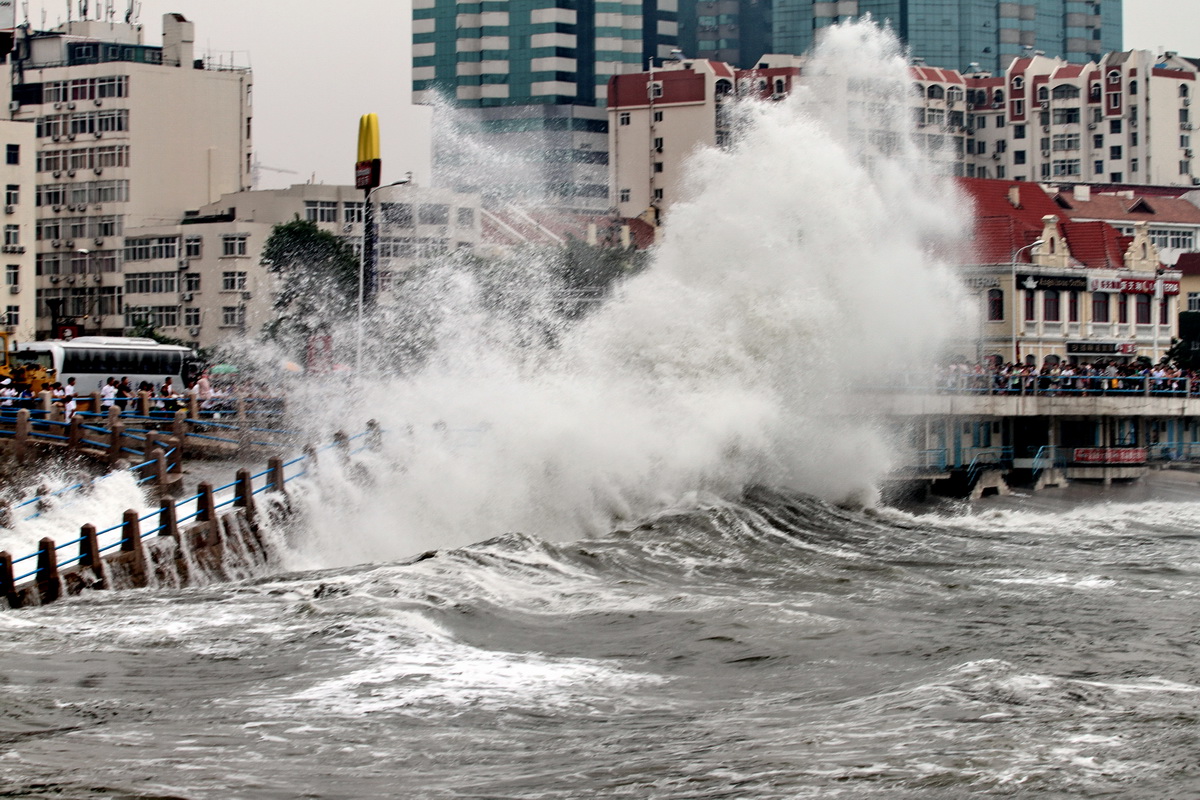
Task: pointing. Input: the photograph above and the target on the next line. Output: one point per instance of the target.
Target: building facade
(17, 252)
(200, 278)
(527, 84)
(128, 135)
(956, 34)
(735, 31)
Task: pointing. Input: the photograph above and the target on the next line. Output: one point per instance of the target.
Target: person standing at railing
(69, 394)
(124, 392)
(108, 394)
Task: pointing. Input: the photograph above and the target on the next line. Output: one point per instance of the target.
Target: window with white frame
(233, 316)
(233, 281)
(12, 274)
(234, 244)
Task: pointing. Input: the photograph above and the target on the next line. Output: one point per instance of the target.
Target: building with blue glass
(524, 85)
(958, 33)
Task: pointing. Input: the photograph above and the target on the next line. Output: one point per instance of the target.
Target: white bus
(91, 360)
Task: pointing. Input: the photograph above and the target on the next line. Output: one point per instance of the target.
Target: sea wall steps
(215, 534)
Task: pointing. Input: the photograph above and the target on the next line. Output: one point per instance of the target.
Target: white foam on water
(810, 259)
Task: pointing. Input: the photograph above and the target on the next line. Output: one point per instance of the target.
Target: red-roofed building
(1077, 289)
(1174, 222)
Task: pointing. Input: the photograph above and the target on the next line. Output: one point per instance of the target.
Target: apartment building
(734, 31)
(17, 251)
(527, 82)
(200, 278)
(128, 135)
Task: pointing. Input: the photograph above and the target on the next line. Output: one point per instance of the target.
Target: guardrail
(40, 575)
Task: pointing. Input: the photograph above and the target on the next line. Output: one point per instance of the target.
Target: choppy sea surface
(775, 647)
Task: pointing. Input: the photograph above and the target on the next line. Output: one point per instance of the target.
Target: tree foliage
(316, 278)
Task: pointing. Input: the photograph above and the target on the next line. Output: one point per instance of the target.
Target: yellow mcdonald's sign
(367, 169)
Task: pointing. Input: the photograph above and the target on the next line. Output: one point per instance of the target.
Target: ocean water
(775, 646)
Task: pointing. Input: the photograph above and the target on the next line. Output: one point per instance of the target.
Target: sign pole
(367, 173)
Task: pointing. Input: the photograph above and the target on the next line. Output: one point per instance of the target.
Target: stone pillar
(8, 588)
(131, 542)
(115, 438)
(48, 585)
(244, 493)
(114, 413)
(275, 476)
(179, 427)
(94, 400)
(74, 432)
(89, 554)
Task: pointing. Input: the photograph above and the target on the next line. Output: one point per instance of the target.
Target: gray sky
(320, 64)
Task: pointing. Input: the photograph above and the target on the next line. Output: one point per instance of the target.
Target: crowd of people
(1061, 377)
(120, 393)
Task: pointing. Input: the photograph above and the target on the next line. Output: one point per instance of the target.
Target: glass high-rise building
(527, 81)
(957, 33)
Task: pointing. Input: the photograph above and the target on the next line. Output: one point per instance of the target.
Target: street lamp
(366, 264)
(1015, 254)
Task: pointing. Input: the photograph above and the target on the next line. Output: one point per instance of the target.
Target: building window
(12, 275)
(465, 217)
(12, 195)
(320, 211)
(12, 316)
(191, 281)
(14, 154)
(1164, 306)
(623, 118)
(151, 282)
(658, 116)
(1123, 309)
(352, 213)
(995, 305)
(1114, 153)
(1050, 306)
(1072, 306)
(233, 281)
(656, 90)
(1018, 131)
(623, 196)
(233, 316)
(234, 244)
(191, 317)
(1143, 309)
(1030, 307)
(1193, 300)
(658, 194)
(12, 234)
(658, 166)
(1099, 307)
(1018, 156)
(155, 316)
(151, 248)
(193, 246)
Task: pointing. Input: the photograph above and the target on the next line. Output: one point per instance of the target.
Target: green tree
(317, 280)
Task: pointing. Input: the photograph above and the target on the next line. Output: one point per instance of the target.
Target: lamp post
(366, 264)
(1015, 307)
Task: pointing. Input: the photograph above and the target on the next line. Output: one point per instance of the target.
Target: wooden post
(179, 427)
(74, 432)
(131, 542)
(168, 520)
(89, 554)
(44, 400)
(241, 408)
(21, 434)
(114, 413)
(244, 493)
(175, 461)
(207, 506)
(115, 436)
(275, 476)
(48, 586)
(95, 402)
(143, 403)
(193, 405)
(8, 587)
(158, 466)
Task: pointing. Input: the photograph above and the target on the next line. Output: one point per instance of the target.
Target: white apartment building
(17, 252)
(129, 135)
(201, 279)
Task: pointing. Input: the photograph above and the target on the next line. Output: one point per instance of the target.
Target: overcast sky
(320, 64)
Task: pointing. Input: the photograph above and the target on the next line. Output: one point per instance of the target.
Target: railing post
(44, 400)
(89, 552)
(8, 587)
(94, 401)
(275, 476)
(74, 432)
(341, 443)
(158, 465)
(48, 586)
(131, 542)
(114, 440)
(244, 493)
(143, 403)
(374, 434)
(168, 519)
(114, 413)
(193, 405)
(179, 428)
(205, 504)
(21, 434)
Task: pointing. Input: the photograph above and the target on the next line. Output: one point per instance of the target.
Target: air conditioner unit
(1187, 101)
(1092, 126)
(995, 156)
(99, 134)
(193, 331)
(10, 209)
(56, 137)
(246, 295)
(70, 173)
(56, 243)
(98, 170)
(57, 106)
(98, 278)
(70, 106)
(99, 102)
(99, 240)
(1045, 129)
(58, 173)
(184, 263)
(1187, 153)
(54, 279)
(70, 279)
(1045, 104)
(186, 297)
(71, 137)
(1045, 154)
(347, 228)
(57, 208)
(14, 289)
(1187, 126)
(69, 243)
